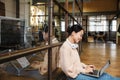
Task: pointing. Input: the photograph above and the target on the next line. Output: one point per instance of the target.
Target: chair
(100, 35)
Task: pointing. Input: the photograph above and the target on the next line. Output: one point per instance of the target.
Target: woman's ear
(73, 33)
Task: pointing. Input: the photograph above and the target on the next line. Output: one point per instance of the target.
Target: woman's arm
(66, 62)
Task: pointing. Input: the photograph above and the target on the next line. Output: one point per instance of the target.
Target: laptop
(98, 73)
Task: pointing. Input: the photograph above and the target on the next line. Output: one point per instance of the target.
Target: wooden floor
(99, 53)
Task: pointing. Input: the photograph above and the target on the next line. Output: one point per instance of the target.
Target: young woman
(43, 65)
(70, 61)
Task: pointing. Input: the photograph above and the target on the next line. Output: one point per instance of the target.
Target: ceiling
(93, 6)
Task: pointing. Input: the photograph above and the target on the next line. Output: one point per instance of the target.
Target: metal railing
(25, 52)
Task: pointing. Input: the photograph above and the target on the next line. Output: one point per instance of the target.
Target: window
(97, 23)
(62, 25)
(113, 25)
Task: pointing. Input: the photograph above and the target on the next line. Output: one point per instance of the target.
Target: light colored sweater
(70, 61)
(44, 64)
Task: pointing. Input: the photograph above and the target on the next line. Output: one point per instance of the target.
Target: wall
(25, 11)
(10, 8)
(25, 14)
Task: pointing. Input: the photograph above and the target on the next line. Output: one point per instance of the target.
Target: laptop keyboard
(95, 72)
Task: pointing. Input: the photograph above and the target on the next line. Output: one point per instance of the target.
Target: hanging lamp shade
(35, 2)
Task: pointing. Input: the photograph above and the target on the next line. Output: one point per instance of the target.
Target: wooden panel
(2, 9)
(118, 40)
(100, 5)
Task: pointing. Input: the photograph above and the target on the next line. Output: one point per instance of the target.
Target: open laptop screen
(104, 67)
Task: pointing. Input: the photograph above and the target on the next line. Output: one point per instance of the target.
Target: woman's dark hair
(75, 28)
(45, 28)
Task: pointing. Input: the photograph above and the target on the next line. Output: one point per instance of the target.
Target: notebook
(98, 73)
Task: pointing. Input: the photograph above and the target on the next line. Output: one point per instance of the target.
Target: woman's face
(77, 36)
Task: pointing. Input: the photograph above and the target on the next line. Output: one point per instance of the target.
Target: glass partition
(38, 57)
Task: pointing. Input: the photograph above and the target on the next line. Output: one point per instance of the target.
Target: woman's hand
(92, 66)
(89, 68)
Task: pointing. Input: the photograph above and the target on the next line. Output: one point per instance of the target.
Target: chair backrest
(101, 33)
